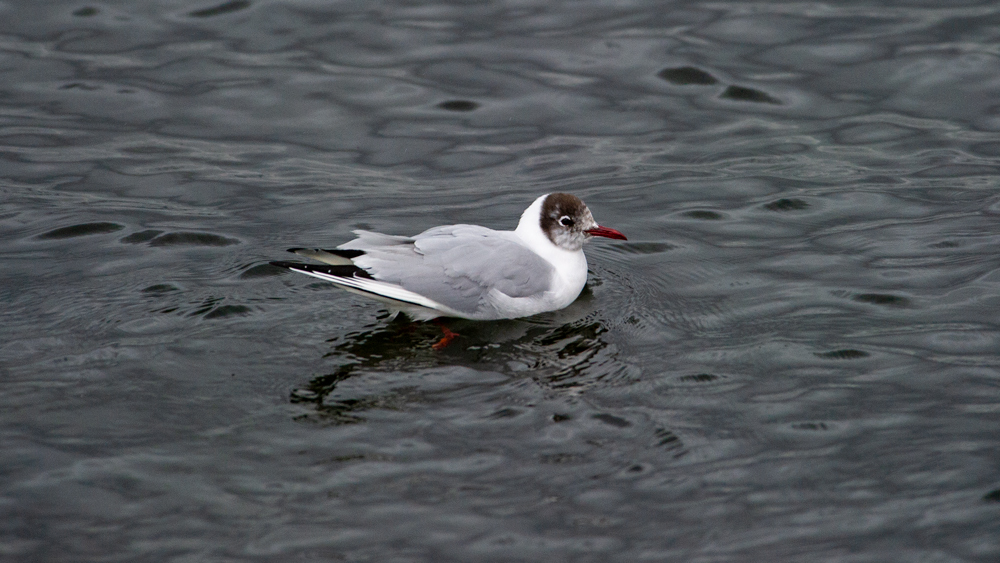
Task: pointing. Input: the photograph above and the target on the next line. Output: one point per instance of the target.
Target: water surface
(794, 357)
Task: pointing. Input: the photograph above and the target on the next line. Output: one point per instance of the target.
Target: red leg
(447, 338)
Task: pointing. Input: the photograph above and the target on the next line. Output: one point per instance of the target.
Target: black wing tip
(342, 252)
(339, 271)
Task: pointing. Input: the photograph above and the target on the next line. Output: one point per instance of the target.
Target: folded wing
(461, 270)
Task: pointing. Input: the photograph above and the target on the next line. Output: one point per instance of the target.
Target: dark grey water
(794, 358)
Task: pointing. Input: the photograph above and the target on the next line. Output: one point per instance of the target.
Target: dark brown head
(568, 223)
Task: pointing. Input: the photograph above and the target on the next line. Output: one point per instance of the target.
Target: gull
(468, 271)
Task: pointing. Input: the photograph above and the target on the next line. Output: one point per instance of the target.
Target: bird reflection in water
(564, 352)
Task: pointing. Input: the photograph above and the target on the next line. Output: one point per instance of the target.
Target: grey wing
(371, 242)
(456, 265)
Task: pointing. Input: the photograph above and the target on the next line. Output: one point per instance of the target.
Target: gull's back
(476, 271)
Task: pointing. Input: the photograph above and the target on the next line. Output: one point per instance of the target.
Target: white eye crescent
(566, 221)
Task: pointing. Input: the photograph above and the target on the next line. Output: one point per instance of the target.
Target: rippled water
(794, 358)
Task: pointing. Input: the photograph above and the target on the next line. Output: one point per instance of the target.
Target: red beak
(605, 232)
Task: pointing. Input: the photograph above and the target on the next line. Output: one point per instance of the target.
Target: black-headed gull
(468, 271)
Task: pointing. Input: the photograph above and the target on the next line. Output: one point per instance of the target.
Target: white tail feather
(384, 289)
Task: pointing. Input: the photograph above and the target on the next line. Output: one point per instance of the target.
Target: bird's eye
(565, 221)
